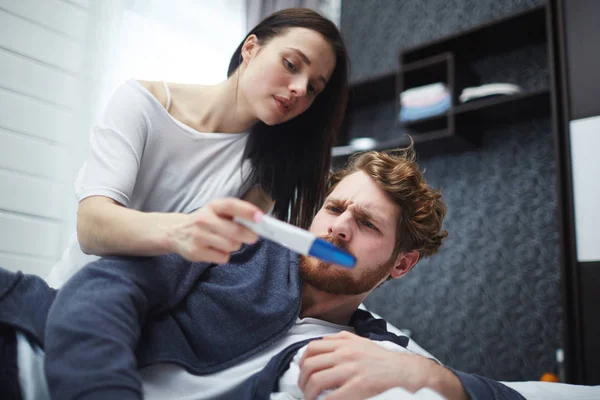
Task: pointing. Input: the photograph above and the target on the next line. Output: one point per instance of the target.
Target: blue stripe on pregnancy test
(330, 253)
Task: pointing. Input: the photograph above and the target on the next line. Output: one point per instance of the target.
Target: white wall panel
(31, 195)
(585, 142)
(26, 264)
(41, 50)
(37, 80)
(32, 40)
(81, 3)
(55, 14)
(30, 116)
(29, 155)
(21, 235)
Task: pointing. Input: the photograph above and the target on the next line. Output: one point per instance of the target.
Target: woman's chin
(272, 118)
(270, 122)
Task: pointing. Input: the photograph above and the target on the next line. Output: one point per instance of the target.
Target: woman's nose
(298, 87)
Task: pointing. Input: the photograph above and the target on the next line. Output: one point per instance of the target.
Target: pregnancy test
(299, 240)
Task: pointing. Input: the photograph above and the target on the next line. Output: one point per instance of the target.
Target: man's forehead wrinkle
(368, 208)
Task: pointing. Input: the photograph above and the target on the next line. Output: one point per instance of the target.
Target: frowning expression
(360, 218)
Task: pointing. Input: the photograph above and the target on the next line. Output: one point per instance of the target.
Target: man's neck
(334, 308)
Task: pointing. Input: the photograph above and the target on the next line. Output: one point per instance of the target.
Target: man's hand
(357, 368)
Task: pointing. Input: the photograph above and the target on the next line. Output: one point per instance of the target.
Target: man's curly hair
(421, 207)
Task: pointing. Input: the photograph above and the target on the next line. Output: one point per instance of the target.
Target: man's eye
(290, 65)
(367, 224)
(334, 209)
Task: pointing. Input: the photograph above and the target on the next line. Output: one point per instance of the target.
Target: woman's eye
(312, 89)
(334, 209)
(290, 65)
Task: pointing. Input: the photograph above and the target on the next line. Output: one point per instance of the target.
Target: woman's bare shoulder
(157, 89)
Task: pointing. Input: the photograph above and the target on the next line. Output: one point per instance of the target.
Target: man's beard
(340, 280)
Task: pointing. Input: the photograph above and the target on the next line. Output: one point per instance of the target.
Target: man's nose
(341, 227)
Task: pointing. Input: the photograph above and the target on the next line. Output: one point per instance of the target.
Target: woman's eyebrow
(301, 54)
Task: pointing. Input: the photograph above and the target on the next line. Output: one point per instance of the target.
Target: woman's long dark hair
(291, 160)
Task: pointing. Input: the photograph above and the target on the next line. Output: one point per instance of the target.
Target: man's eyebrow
(367, 214)
(361, 211)
(306, 60)
(332, 201)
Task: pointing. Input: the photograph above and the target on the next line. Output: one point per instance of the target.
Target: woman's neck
(214, 108)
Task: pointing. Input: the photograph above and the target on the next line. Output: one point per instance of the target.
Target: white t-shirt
(146, 160)
(289, 389)
(170, 381)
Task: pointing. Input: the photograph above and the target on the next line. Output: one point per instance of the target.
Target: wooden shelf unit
(448, 60)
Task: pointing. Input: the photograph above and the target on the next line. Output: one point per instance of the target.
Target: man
(231, 330)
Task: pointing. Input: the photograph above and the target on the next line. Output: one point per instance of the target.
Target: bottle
(560, 363)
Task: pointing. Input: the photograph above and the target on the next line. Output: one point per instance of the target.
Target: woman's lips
(281, 105)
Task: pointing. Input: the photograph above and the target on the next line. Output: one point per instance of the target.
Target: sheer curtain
(187, 41)
(259, 9)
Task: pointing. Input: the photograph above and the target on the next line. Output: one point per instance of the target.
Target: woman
(169, 162)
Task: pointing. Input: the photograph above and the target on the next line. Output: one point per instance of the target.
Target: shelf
(453, 61)
(433, 123)
(426, 144)
(426, 63)
(417, 139)
(429, 70)
(500, 35)
(402, 141)
(423, 72)
(432, 135)
(507, 109)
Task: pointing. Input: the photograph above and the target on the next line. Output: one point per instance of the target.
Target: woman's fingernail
(257, 216)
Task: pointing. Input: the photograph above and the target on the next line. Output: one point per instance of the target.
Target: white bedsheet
(392, 394)
(534, 390)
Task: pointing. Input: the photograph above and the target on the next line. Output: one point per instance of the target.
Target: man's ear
(404, 263)
(249, 48)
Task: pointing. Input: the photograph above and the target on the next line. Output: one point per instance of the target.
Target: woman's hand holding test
(209, 234)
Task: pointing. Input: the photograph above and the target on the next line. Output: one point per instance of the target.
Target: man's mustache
(336, 241)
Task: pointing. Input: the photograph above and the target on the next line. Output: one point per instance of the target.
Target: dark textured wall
(376, 30)
(489, 303)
